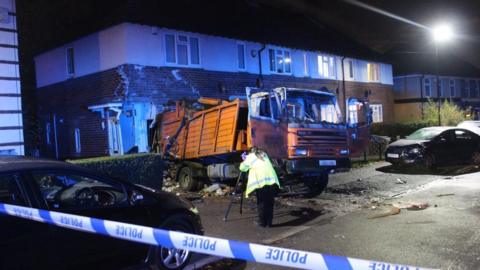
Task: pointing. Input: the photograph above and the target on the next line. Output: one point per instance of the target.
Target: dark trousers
(265, 201)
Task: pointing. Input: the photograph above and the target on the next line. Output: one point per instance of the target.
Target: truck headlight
(344, 152)
(300, 152)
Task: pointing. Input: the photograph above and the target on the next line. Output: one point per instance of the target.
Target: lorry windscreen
(309, 108)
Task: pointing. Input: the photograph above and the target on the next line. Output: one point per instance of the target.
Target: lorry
(302, 131)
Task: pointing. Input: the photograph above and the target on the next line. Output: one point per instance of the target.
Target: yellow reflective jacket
(260, 173)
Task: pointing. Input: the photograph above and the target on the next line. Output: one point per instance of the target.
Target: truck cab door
(268, 127)
(359, 119)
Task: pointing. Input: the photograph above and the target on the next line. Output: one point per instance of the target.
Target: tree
(450, 114)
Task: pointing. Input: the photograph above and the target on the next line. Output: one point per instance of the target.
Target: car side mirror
(135, 198)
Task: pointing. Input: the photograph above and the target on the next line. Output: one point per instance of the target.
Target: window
(241, 56)
(70, 61)
(182, 50)
(78, 146)
(440, 88)
(47, 133)
(464, 88)
(377, 113)
(473, 89)
(64, 191)
(280, 61)
(452, 88)
(427, 86)
(461, 135)
(326, 66)
(348, 69)
(10, 191)
(352, 114)
(305, 65)
(373, 72)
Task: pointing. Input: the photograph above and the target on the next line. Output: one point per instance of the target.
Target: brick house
(415, 83)
(97, 95)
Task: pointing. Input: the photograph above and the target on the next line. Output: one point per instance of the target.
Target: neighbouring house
(415, 83)
(11, 124)
(98, 94)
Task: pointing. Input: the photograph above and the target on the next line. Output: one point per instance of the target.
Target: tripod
(238, 185)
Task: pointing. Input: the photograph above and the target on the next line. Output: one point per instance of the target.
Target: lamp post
(441, 34)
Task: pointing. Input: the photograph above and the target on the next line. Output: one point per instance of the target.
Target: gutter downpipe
(344, 98)
(260, 74)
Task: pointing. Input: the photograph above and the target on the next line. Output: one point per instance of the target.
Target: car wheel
(429, 161)
(171, 258)
(186, 180)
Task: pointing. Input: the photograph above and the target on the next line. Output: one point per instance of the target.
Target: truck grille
(325, 138)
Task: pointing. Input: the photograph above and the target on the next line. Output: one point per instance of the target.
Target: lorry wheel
(186, 180)
(315, 185)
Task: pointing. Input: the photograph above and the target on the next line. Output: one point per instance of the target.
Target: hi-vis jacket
(260, 173)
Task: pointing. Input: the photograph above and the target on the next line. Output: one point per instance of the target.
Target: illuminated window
(427, 85)
(373, 72)
(305, 64)
(182, 50)
(70, 61)
(78, 146)
(326, 66)
(377, 113)
(241, 56)
(348, 69)
(280, 61)
(452, 88)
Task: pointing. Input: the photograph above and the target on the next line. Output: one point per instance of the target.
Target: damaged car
(435, 146)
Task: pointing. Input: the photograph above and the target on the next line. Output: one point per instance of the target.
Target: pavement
(444, 235)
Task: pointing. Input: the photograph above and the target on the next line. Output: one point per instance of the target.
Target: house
(415, 83)
(98, 94)
(11, 124)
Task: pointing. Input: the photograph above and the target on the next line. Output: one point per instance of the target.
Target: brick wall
(70, 99)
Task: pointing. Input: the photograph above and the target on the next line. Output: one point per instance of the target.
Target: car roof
(17, 163)
(439, 128)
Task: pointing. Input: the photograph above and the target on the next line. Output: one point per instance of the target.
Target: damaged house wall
(122, 79)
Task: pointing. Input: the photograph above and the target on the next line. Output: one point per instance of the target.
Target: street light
(441, 34)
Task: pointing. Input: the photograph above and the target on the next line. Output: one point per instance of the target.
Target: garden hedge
(397, 129)
(143, 169)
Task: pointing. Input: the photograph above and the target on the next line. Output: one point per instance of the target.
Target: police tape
(200, 244)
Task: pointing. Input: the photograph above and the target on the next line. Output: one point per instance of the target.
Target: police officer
(262, 179)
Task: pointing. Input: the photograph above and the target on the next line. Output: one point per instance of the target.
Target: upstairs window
(326, 66)
(427, 85)
(348, 69)
(182, 50)
(440, 88)
(463, 88)
(373, 72)
(473, 89)
(241, 56)
(452, 87)
(305, 65)
(47, 133)
(280, 61)
(70, 61)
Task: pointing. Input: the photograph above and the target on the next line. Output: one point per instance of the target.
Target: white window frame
(78, 144)
(330, 63)
(189, 48)
(282, 54)
(67, 61)
(429, 80)
(373, 76)
(306, 69)
(377, 113)
(244, 56)
(451, 85)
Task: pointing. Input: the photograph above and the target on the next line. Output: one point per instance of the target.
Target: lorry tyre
(186, 180)
(315, 185)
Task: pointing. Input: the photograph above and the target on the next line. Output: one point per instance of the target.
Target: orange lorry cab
(302, 131)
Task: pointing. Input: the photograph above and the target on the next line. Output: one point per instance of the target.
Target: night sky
(46, 24)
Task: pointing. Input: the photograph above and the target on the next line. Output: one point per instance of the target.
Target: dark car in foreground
(433, 146)
(63, 187)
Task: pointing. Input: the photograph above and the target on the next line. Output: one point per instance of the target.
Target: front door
(358, 123)
(114, 134)
(267, 124)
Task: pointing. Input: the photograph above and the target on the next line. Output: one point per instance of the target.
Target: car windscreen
(424, 134)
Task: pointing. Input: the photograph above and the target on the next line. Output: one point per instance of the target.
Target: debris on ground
(446, 194)
(392, 211)
(212, 188)
(401, 181)
(412, 205)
